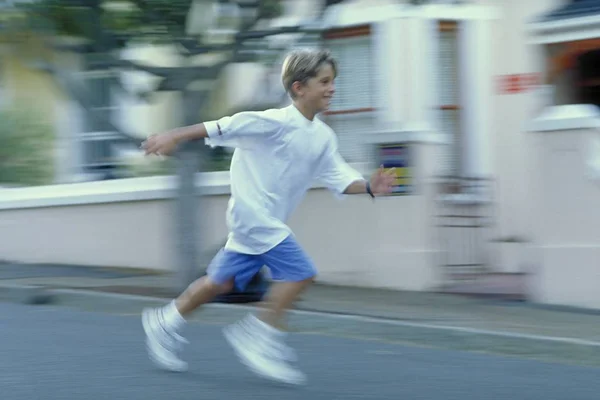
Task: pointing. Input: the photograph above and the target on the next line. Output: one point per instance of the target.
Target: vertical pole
(191, 159)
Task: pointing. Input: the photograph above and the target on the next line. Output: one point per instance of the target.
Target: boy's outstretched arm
(381, 183)
(238, 130)
(338, 176)
(165, 143)
(357, 187)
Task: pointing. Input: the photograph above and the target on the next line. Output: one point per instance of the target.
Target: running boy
(278, 155)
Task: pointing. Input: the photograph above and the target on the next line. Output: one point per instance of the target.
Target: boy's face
(318, 91)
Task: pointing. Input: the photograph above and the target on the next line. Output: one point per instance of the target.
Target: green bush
(219, 160)
(139, 166)
(27, 151)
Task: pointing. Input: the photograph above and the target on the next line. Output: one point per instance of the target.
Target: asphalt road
(52, 353)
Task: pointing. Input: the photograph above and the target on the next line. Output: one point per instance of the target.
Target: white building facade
(471, 88)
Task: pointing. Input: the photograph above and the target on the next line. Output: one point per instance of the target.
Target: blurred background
(488, 110)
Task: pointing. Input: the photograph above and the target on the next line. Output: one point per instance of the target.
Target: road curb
(40, 295)
(345, 325)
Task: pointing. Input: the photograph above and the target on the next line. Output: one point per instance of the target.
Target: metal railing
(464, 217)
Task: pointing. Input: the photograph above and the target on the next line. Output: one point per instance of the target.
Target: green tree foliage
(27, 151)
(134, 19)
(109, 25)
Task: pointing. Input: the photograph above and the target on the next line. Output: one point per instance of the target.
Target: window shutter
(448, 90)
(355, 85)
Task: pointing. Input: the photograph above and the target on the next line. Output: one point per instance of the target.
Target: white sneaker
(162, 343)
(262, 354)
(276, 348)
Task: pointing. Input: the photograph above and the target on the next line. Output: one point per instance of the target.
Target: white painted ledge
(118, 190)
(567, 117)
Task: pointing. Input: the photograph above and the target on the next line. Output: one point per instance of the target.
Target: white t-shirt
(278, 155)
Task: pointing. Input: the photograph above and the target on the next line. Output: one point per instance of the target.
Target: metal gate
(463, 219)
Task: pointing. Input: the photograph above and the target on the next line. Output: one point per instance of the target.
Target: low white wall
(564, 190)
(129, 223)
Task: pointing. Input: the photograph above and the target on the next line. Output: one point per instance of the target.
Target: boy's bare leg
(162, 324)
(259, 340)
(198, 293)
(280, 299)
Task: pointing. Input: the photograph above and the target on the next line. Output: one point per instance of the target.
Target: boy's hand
(383, 181)
(161, 145)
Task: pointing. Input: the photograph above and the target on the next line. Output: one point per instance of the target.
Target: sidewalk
(446, 320)
(429, 308)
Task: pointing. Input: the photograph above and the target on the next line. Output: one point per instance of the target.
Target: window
(449, 91)
(352, 110)
(97, 141)
(572, 70)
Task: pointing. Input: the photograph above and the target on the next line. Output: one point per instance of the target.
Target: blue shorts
(287, 262)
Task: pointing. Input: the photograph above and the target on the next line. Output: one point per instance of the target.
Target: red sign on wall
(518, 83)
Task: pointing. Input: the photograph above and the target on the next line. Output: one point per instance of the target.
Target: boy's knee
(308, 281)
(219, 288)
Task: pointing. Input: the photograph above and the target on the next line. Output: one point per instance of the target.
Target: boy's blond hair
(303, 64)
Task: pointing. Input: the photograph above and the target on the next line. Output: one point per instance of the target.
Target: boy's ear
(297, 87)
